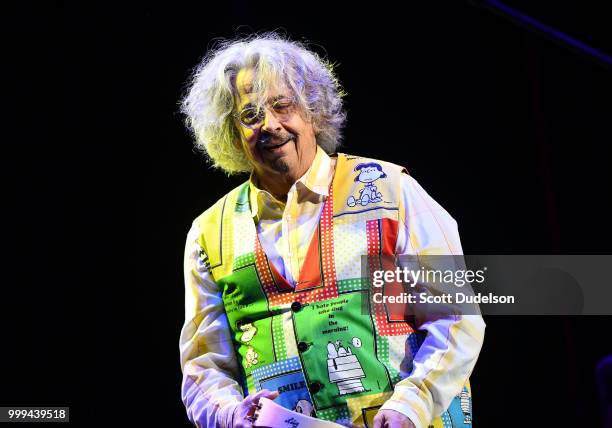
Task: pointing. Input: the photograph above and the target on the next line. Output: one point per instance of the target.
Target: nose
(270, 123)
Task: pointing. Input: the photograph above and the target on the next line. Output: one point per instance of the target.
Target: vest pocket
(339, 351)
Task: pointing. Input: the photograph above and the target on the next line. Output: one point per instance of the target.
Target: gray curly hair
(209, 100)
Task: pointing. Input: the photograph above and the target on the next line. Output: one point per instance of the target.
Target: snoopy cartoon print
(344, 368)
(368, 173)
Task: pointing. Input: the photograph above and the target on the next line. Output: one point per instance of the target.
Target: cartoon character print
(304, 407)
(252, 357)
(344, 368)
(368, 174)
(248, 331)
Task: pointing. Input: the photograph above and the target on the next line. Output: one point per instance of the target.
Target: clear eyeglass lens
(251, 116)
(283, 105)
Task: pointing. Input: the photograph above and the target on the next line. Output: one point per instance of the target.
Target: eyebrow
(278, 97)
(273, 99)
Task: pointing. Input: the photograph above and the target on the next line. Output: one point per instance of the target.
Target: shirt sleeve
(209, 389)
(449, 351)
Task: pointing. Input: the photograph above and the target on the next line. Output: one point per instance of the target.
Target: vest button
(296, 306)
(302, 346)
(316, 387)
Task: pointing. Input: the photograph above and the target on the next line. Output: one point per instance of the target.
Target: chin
(280, 165)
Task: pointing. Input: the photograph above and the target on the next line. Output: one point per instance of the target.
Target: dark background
(507, 130)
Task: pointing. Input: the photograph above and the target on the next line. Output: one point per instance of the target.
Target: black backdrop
(507, 130)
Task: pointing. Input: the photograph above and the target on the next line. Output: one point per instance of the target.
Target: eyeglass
(252, 116)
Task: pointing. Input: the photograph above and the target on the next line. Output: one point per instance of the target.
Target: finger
(246, 412)
(253, 398)
(378, 421)
(264, 393)
(272, 395)
(249, 404)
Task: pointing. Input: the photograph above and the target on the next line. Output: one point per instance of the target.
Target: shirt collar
(316, 180)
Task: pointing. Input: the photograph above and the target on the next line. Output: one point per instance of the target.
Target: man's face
(282, 143)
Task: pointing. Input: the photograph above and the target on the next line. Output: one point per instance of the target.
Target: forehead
(244, 82)
(245, 89)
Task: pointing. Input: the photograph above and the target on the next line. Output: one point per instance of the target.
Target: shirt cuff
(409, 404)
(226, 415)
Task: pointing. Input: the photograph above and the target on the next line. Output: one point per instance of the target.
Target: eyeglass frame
(238, 114)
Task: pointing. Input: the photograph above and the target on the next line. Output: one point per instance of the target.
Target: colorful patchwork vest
(324, 345)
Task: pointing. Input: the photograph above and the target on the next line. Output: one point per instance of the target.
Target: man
(274, 288)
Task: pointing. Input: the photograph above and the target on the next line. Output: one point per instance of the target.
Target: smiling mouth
(273, 148)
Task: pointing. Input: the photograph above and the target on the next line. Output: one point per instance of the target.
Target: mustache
(274, 138)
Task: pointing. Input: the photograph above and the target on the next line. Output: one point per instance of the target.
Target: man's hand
(392, 419)
(246, 409)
